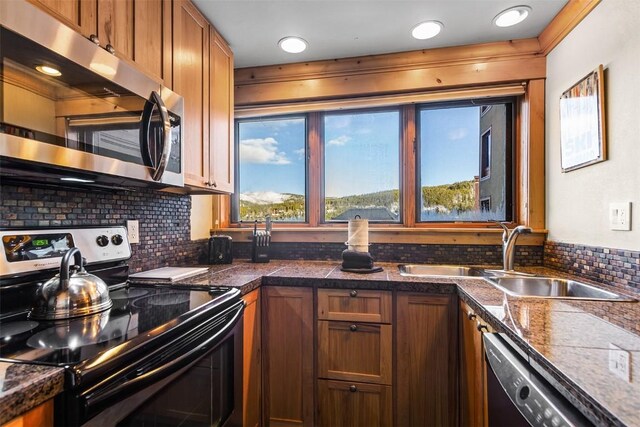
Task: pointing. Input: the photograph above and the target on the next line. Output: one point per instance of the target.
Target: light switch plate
(620, 216)
(620, 362)
(133, 231)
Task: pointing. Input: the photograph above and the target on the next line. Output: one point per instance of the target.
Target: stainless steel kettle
(71, 295)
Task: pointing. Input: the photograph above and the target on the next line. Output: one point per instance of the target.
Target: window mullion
(408, 166)
(314, 168)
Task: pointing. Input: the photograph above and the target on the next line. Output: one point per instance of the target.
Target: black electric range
(116, 360)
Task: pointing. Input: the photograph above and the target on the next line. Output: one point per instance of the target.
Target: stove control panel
(25, 251)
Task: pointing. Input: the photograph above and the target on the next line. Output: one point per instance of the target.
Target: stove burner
(16, 328)
(81, 332)
(128, 293)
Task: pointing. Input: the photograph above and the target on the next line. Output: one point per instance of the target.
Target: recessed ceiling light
(292, 44)
(427, 30)
(49, 71)
(512, 16)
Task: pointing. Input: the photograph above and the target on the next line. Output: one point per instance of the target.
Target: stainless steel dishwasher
(518, 396)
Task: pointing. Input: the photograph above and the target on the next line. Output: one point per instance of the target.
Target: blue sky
(449, 145)
(361, 151)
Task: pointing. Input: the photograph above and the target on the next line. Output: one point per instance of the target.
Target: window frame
(489, 140)
(322, 173)
(235, 197)
(510, 156)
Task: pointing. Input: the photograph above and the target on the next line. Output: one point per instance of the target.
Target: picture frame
(582, 122)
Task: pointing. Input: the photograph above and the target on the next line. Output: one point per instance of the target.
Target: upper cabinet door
(78, 14)
(115, 26)
(152, 37)
(191, 80)
(221, 157)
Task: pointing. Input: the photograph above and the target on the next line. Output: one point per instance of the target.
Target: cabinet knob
(353, 328)
(207, 183)
(470, 315)
(482, 327)
(94, 39)
(353, 293)
(353, 388)
(110, 49)
(214, 184)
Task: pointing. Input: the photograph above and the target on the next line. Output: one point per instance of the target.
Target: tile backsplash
(164, 218)
(616, 267)
(405, 252)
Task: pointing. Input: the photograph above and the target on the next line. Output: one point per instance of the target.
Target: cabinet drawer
(354, 352)
(354, 305)
(342, 403)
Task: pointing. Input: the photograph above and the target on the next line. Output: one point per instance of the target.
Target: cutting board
(167, 274)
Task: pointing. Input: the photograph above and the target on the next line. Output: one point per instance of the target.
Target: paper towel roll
(358, 237)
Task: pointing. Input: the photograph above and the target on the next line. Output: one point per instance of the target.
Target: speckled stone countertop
(23, 387)
(569, 341)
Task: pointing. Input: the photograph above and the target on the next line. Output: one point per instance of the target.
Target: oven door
(198, 383)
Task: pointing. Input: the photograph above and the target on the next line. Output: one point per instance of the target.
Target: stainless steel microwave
(71, 111)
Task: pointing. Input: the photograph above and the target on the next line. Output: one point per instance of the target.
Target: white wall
(577, 202)
(201, 216)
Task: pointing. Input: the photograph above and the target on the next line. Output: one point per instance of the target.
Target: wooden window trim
(528, 203)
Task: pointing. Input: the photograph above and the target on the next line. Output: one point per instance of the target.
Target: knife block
(260, 250)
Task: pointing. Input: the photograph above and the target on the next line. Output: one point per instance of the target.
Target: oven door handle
(96, 399)
(157, 169)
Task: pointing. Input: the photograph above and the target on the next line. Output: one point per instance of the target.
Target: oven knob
(102, 241)
(116, 239)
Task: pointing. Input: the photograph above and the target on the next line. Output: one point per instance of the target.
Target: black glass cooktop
(138, 314)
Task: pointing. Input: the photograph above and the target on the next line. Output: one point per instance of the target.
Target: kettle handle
(64, 266)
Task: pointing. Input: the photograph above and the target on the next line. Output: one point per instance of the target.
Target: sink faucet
(509, 243)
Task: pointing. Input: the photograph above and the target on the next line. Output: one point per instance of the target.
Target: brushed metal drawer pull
(353, 293)
(353, 388)
(353, 328)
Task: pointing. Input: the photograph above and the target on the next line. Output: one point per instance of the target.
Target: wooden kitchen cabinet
(221, 140)
(81, 15)
(191, 80)
(252, 360)
(138, 30)
(354, 352)
(40, 416)
(287, 340)
(354, 305)
(426, 360)
(351, 404)
(473, 380)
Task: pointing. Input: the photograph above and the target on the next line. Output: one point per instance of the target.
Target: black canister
(220, 249)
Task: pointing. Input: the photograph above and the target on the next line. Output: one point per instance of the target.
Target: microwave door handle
(101, 399)
(166, 137)
(145, 128)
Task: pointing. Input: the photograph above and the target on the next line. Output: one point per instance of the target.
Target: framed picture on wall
(582, 123)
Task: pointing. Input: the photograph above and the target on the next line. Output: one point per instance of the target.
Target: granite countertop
(23, 387)
(570, 341)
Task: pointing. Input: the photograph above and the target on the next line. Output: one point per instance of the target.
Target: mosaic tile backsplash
(164, 219)
(390, 252)
(617, 267)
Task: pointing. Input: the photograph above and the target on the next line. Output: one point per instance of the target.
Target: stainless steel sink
(550, 287)
(428, 270)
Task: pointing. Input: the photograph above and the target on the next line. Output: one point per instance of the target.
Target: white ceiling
(346, 28)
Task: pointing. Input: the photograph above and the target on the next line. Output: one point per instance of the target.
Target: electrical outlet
(133, 231)
(620, 216)
(620, 362)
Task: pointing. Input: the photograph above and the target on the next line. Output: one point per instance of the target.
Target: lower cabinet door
(342, 403)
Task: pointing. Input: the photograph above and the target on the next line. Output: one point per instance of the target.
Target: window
(485, 154)
(362, 165)
(271, 169)
(464, 169)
